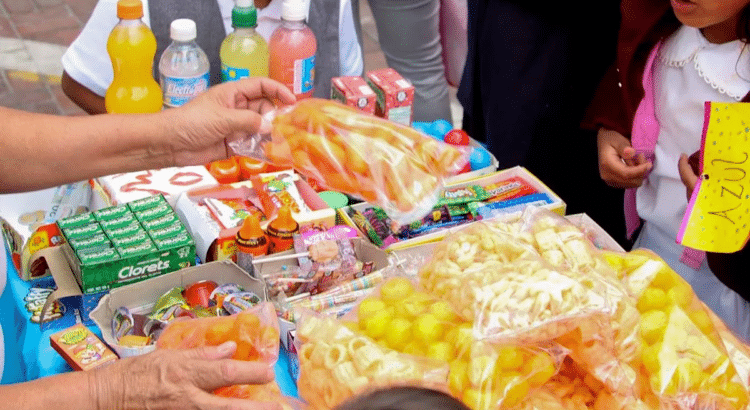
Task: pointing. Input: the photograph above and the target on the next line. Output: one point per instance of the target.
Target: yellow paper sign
(718, 215)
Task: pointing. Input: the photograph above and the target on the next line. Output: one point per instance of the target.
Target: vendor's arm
(165, 379)
(88, 100)
(40, 151)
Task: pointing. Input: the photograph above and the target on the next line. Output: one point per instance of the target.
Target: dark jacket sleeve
(732, 269)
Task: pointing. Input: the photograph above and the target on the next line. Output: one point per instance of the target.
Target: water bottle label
(304, 75)
(180, 90)
(229, 73)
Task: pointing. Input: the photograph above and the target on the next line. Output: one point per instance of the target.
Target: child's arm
(687, 175)
(619, 165)
(88, 100)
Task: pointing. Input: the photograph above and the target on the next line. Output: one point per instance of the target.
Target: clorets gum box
(395, 95)
(124, 244)
(353, 91)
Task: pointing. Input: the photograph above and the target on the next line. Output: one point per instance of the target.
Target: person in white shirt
(105, 144)
(705, 59)
(88, 70)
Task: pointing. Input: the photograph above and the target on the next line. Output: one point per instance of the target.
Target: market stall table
(39, 359)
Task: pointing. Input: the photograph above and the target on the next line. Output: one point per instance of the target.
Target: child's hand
(619, 166)
(687, 175)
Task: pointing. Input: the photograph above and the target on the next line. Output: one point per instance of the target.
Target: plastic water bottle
(292, 48)
(183, 67)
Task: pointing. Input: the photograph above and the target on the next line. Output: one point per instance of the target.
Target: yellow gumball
(681, 294)
(399, 333)
(442, 351)
(652, 298)
(396, 289)
(377, 324)
(509, 358)
(702, 321)
(414, 348)
(653, 324)
(427, 328)
(368, 307)
(650, 358)
(665, 278)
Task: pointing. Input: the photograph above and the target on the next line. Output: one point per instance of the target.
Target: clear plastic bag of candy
(343, 149)
(337, 363)
(506, 289)
(256, 333)
(483, 374)
(685, 359)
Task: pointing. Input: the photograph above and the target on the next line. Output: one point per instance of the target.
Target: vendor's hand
(688, 177)
(619, 165)
(180, 379)
(227, 111)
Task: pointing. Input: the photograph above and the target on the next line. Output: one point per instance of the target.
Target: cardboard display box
(558, 205)
(354, 92)
(594, 232)
(28, 222)
(214, 242)
(363, 250)
(140, 297)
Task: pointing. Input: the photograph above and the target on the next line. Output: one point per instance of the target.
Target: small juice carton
(353, 91)
(395, 95)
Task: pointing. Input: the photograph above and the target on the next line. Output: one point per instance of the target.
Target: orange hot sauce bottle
(281, 231)
(251, 242)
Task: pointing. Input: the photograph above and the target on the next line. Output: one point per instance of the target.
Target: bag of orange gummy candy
(384, 163)
(256, 332)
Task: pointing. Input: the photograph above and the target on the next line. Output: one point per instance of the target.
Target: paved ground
(35, 33)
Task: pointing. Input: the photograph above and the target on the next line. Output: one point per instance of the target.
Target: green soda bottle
(244, 52)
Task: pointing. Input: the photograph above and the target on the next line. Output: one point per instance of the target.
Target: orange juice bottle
(131, 47)
(281, 231)
(292, 48)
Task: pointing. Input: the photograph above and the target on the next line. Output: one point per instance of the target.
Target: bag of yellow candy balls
(483, 374)
(337, 363)
(684, 358)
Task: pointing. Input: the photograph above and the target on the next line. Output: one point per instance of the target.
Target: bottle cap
(182, 30)
(333, 199)
(250, 228)
(293, 10)
(129, 9)
(244, 14)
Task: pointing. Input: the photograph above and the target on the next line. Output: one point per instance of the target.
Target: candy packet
(390, 165)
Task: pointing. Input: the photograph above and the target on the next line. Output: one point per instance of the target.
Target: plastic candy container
(131, 47)
(384, 163)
